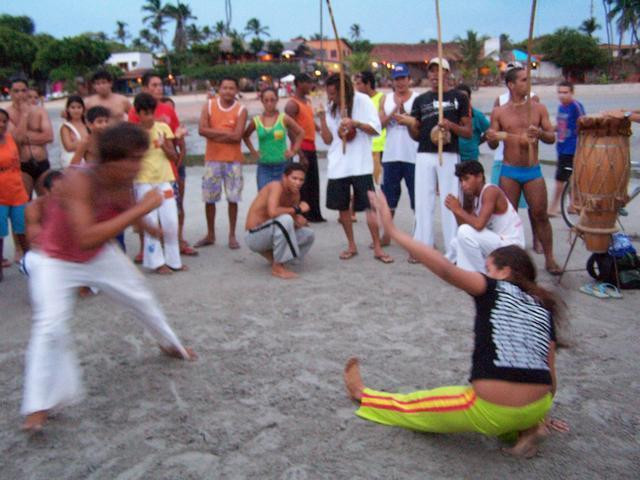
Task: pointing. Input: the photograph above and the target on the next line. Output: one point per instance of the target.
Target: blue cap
(399, 71)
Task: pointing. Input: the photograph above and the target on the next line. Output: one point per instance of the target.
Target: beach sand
(265, 398)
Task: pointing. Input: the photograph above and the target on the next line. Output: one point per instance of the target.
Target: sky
(401, 21)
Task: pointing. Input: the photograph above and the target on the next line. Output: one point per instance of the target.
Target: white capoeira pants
(428, 175)
(165, 217)
(52, 376)
(472, 247)
(280, 236)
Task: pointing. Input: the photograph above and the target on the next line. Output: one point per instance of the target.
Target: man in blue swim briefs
(510, 124)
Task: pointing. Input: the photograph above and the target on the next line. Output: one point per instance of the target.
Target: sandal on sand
(347, 255)
(384, 258)
(594, 290)
(609, 289)
(188, 250)
(412, 260)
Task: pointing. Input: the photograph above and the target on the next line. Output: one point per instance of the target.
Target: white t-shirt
(399, 146)
(357, 159)
(502, 100)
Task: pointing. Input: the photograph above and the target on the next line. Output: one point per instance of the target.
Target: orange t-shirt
(223, 119)
(12, 192)
(305, 119)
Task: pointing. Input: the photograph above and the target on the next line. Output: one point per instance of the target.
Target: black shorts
(35, 168)
(564, 168)
(339, 192)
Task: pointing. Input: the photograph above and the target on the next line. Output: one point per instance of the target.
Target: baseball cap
(399, 71)
(514, 64)
(439, 61)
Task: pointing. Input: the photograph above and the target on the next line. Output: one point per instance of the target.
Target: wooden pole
(440, 84)
(343, 110)
(529, 48)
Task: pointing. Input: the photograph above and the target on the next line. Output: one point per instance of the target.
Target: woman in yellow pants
(513, 368)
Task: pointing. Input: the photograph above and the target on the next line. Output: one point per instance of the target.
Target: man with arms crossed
(31, 129)
(276, 227)
(517, 174)
(222, 122)
(118, 105)
(493, 223)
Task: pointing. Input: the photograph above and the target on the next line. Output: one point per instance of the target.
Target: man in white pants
(493, 223)
(93, 206)
(276, 227)
(156, 174)
(429, 173)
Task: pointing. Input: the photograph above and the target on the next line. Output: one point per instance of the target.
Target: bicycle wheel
(565, 204)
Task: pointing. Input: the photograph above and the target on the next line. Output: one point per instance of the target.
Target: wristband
(297, 210)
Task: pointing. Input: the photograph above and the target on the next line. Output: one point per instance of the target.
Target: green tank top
(272, 140)
(378, 142)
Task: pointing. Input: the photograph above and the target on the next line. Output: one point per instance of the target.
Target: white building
(128, 61)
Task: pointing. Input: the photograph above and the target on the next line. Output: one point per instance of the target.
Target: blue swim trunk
(521, 175)
(16, 215)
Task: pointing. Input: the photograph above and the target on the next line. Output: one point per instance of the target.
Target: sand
(265, 398)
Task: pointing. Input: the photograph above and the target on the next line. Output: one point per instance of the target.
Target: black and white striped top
(513, 332)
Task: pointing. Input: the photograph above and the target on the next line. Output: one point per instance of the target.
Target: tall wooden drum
(601, 171)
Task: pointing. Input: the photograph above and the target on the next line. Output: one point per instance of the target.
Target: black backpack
(601, 267)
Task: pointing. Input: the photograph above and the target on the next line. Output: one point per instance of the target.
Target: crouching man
(276, 228)
(493, 223)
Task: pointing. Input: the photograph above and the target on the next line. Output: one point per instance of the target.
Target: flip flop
(609, 289)
(347, 255)
(189, 251)
(413, 261)
(384, 258)
(594, 290)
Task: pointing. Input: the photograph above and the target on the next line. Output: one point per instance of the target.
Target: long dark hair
(523, 275)
(75, 99)
(334, 80)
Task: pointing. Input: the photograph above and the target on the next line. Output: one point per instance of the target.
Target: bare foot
(537, 246)
(353, 379)
(183, 268)
(163, 270)
(173, 352)
(278, 270)
(35, 421)
(233, 243)
(84, 292)
(528, 441)
(412, 260)
(348, 254)
(552, 267)
(205, 242)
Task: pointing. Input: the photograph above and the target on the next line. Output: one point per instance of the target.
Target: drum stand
(579, 231)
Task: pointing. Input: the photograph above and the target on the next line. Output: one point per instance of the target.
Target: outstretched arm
(473, 283)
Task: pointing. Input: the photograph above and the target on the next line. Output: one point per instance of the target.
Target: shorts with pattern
(218, 173)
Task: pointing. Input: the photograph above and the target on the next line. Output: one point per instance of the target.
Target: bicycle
(566, 200)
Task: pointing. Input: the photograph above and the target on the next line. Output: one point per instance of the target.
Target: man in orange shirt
(299, 108)
(222, 122)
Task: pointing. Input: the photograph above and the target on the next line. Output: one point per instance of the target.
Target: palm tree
(207, 33)
(152, 40)
(181, 13)
(355, 31)
(121, 32)
(194, 34)
(589, 26)
(255, 45)
(157, 19)
(471, 49)
(219, 29)
(254, 26)
(627, 15)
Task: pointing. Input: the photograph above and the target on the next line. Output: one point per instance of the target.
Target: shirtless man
(517, 172)
(276, 228)
(31, 129)
(492, 224)
(118, 105)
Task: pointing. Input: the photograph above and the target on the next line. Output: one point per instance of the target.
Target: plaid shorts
(218, 173)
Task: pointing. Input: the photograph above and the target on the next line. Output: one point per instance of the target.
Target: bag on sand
(601, 267)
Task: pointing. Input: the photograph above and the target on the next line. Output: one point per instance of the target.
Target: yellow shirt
(378, 142)
(156, 167)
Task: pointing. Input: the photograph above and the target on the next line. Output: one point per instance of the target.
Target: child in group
(513, 377)
(272, 128)
(73, 129)
(86, 150)
(13, 196)
(156, 174)
(92, 206)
